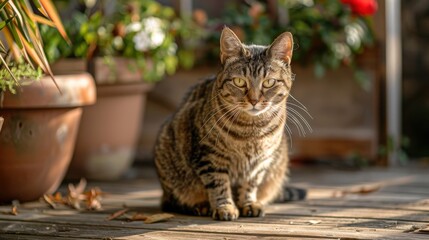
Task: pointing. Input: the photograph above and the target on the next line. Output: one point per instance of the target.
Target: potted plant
(126, 51)
(41, 112)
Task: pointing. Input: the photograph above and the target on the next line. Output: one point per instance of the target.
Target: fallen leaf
(139, 217)
(117, 214)
(314, 222)
(49, 201)
(76, 191)
(367, 189)
(74, 202)
(13, 211)
(93, 199)
(77, 198)
(361, 191)
(158, 218)
(57, 197)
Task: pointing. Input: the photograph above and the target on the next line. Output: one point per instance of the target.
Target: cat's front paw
(227, 212)
(253, 209)
(202, 209)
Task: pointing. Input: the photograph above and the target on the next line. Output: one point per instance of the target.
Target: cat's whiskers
(291, 104)
(214, 114)
(228, 119)
(297, 123)
(233, 120)
(282, 118)
(214, 125)
(215, 96)
(296, 117)
(289, 132)
(297, 114)
(302, 105)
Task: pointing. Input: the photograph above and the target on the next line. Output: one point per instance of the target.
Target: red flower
(362, 7)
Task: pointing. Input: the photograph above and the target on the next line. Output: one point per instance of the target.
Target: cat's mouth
(254, 111)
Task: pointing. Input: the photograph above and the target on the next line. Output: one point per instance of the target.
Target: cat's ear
(282, 47)
(230, 45)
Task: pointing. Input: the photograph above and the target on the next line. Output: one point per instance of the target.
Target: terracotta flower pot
(109, 132)
(38, 135)
(110, 129)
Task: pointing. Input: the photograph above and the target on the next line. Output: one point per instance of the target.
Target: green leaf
(8, 69)
(3, 4)
(4, 23)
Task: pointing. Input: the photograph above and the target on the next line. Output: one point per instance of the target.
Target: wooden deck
(367, 204)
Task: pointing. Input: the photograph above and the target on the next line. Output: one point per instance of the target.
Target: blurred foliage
(142, 30)
(327, 33)
(402, 147)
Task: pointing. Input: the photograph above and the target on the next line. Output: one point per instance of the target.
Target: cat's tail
(292, 194)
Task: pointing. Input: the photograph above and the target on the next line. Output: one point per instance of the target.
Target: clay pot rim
(76, 90)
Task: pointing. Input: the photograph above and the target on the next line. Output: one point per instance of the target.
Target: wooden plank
(208, 236)
(379, 203)
(13, 236)
(183, 222)
(298, 209)
(240, 231)
(98, 219)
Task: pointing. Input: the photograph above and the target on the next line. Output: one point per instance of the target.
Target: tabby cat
(224, 152)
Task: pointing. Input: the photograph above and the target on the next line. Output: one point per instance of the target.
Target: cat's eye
(239, 82)
(269, 83)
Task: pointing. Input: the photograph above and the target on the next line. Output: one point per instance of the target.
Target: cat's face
(255, 79)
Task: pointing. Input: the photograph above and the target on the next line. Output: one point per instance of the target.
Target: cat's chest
(255, 148)
(250, 156)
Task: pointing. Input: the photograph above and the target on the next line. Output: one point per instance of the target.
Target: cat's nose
(253, 101)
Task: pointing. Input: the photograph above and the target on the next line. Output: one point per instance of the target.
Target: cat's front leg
(217, 183)
(247, 197)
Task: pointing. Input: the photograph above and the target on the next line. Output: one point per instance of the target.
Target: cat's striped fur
(224, 152)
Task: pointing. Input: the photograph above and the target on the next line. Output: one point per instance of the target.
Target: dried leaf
(367, 189)
(74, 202)
(58, 197)
(158, 218)
(117, 214)
(13, 211)
(77, 198)
(361, 191)
(138, 217)
(50, 10)
(76, 191)
(93, 199)
(49, 201)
